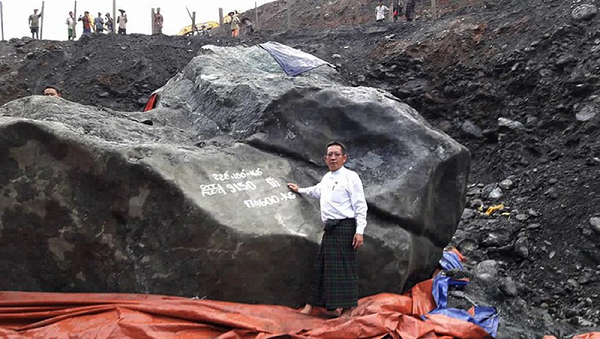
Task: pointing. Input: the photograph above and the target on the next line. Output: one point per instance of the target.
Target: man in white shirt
(122, 21)
(381, 11)
(334, 284)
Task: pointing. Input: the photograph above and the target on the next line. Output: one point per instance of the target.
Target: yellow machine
(200, 27)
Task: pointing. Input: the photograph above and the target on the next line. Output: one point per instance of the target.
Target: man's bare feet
(307, 309)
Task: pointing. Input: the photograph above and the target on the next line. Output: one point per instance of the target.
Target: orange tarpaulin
(68, 315)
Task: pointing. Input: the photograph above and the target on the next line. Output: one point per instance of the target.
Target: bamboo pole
(221, 28)
(255, 15)
(1, 20)
(289, 15)
(75, 18)
(391, 12)
(152, 21)
(42, 22)
(115, 25)
(194, 28)
(433, 9)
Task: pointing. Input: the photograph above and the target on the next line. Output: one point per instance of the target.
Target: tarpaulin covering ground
(69, 315)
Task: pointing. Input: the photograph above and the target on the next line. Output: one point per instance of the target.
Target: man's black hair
(53, 87)
(336, 143)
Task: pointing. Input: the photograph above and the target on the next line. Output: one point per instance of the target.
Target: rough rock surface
(173, 203)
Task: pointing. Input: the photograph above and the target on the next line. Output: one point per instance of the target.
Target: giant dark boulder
(190, 198)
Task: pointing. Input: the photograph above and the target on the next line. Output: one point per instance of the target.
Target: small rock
(522, 217)
(470, 129)
(522, 247)
(572, 284)
(104, 94)
(496, 240)
(552, 193)
(586, 278)
(509, 287)
(584, 12)
(123, 48)
(552, 181)
(467, 214)
(587, 112)
(496, 193)
(467, 246)
(510, 124)
(487, 271)
(595, 224)
(552, 254)
(570, 313)
(533, 213)
(30, 55)
(533, 226)
(336, 56)
(506, 184)
(361, 78)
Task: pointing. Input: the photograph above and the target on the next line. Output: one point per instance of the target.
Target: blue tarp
(483, 316)
(450, 261)
(293, 62)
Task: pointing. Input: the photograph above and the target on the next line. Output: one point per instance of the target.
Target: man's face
(335, 158)
(51, 92)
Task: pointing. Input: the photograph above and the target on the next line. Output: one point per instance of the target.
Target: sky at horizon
(16, 14)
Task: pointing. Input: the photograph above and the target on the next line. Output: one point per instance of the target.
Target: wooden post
(289, 14)
(152, 21)
(221, 28)
(255, 15)
(357, 13)
(1, 20)
(322, 12)
(75, 18)
(42, 22)
(115, 25)
(194, 28)
(433, 9)
(392, 10)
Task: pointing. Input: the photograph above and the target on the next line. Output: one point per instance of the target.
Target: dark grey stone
(196, 203)
(584, 12)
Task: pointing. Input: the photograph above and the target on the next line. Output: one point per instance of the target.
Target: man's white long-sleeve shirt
(341, 196)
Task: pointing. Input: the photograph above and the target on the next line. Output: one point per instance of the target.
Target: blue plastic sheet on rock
(293, 62)
(450, 261)
(484, 316)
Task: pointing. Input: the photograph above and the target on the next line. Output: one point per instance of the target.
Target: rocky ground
(517, 82)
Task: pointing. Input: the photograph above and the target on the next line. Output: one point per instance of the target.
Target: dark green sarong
(335, 276)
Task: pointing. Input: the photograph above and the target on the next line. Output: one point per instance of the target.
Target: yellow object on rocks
(494, 208)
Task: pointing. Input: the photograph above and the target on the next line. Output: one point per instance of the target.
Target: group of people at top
(98, 24)
(382, 10)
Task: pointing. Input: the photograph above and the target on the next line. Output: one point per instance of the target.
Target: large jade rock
(190, 198)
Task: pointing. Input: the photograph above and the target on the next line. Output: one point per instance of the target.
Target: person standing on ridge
(86, 21)
(99, 23)
(381, 11)
(235, 24)
(122, 21)
(34, 24)
(334, 285)
(158, 22)
(398, 7)
(110, 23)
(71, 24)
